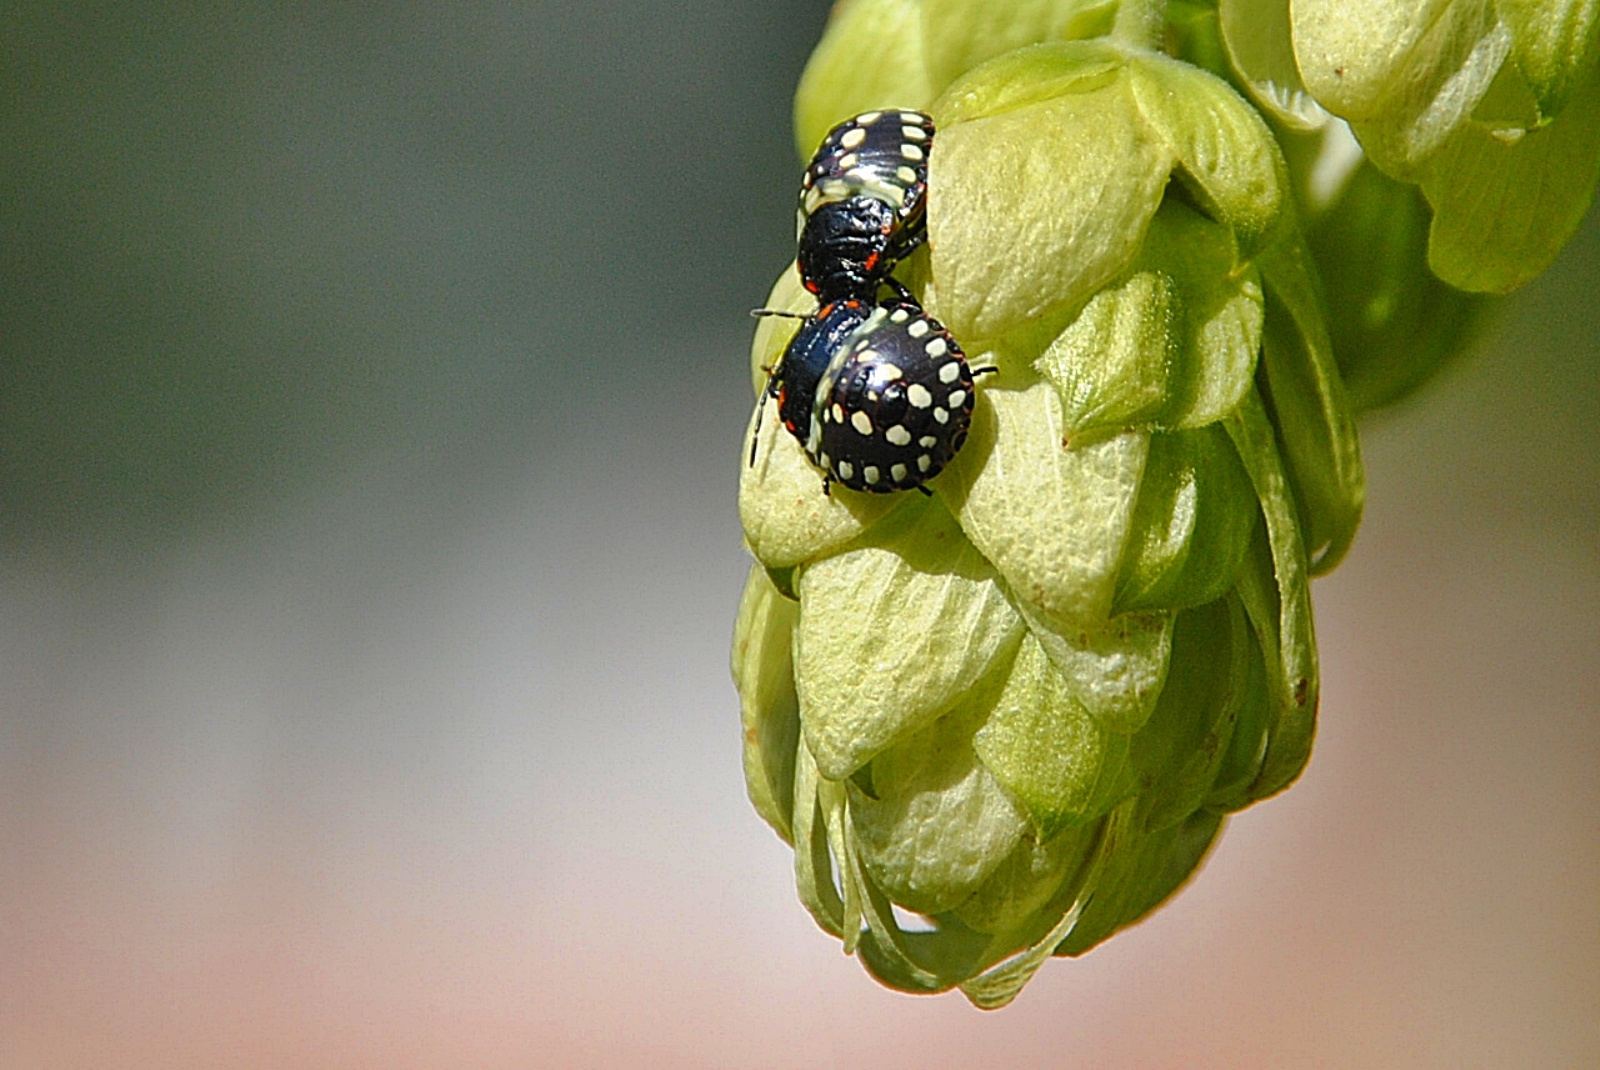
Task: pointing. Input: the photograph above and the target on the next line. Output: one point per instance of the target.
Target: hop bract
(1000, 722)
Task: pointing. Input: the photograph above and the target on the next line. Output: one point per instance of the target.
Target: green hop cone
(1491, 107)
(1002, 721)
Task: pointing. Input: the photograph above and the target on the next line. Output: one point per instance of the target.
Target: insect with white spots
(879, 396)
(862, 203)
(893, 405)
(794, 381)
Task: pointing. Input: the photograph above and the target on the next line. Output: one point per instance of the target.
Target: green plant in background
(1003, 721)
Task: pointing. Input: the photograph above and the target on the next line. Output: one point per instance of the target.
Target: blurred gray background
(372, 380)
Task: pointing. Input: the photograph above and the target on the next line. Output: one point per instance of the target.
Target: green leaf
(1228, 157)
(1194, 36)
(894, 633)
(1312, 415)
(1504, 209)
(1556, 46)
(1256, 713)
(1048, 751)
(917, 961)
(1112, 363)
(763, 672)
(1054, 521)
(935, 823)
(961, 34)
(1028, 76)
(999, 985)
(1262, 52)
(1035, 200)
(870, 56)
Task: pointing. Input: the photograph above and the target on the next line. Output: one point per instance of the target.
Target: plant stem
(1141, 23)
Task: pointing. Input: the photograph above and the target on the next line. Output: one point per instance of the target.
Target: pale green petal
(1040, 742)
(1035, 207)
(894, 633)
(870, 56)
(1219, 326)
(1313, 416)
(1053, 520)
(1178, 754)
(1115, 672)
(1192, 525)
(1405, 74)
(813, 859)
(1028, 76)
(1112, 363)
(1275, 589)
(960, 34)
(1019, 889)
(763, 672)
(1556, 46)
(931, 822)
(1261, 50)
(787, 517)
(999, 985)
(1143, 870)
(1227, 156)
(1503, 210)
